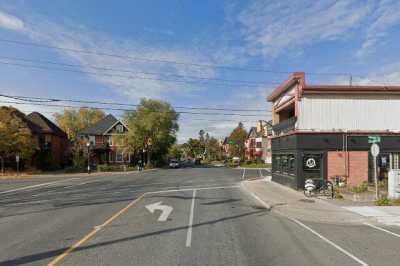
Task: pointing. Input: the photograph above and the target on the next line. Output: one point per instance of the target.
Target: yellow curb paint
(92, 233)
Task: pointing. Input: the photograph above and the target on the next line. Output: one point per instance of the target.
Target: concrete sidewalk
(294, 204)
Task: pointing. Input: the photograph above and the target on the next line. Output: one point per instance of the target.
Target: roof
(299, 78)
(45, 125)
(252, 129)
(23, 118)
(101, 126)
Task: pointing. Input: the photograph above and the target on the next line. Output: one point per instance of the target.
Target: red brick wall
(357, 166)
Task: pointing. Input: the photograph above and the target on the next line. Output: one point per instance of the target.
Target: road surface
(209, 220)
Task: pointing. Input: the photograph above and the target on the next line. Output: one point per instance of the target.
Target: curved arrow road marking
(165, 210)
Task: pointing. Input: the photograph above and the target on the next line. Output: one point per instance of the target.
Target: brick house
(321, 131)
(258, 142)
(105, 143)
(53, 146)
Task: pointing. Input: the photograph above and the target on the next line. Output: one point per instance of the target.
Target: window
(258, 144)
(291, 163)
(395, 162)
(120, 129)
(119, 156)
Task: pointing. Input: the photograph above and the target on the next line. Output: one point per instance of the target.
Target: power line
(242, 82)
(124, 76)
(44, 99)
(125, 110)
(126, 57)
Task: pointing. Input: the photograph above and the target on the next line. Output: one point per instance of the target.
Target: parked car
(174, 164)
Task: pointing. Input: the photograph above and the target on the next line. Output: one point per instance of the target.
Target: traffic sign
(374, 139)
(374, 149)
(17, 158)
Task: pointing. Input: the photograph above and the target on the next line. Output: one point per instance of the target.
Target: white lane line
(35, 186)
(189, 189)
(314, 232)
(382, 229)
(244, 171)
(330, 242)
(190, 225)
(259, 171)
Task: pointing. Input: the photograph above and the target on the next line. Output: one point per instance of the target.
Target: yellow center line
(92, 233)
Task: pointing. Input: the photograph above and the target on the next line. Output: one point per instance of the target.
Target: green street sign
(374, 139)
(231, 142)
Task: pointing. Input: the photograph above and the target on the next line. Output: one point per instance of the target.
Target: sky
(218, 54)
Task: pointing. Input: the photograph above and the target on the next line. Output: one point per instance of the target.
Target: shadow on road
(54, 253)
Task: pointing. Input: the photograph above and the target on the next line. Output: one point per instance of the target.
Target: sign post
(17, 161)
(375, 153)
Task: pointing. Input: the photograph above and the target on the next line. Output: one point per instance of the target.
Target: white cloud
(385, 16)
(271, 28)
(10, 22)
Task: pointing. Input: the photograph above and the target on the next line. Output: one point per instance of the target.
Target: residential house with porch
(258, 142)
(104, 141)
(322, 131)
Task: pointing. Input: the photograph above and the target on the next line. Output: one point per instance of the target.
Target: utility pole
(351, 80)
(88, 156)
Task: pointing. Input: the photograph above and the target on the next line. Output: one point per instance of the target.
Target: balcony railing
(285, 126)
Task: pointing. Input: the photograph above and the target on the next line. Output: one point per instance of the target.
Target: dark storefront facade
(298, 156)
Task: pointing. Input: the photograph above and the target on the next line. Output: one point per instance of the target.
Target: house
(53, 146)
(323, 131)
(258, 142)
(106, 144)
(226, 148)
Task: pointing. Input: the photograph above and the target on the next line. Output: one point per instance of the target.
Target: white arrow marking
(165, 210)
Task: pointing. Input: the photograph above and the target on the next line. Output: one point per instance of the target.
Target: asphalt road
(106, 219)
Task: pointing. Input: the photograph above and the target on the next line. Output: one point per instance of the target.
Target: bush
(383, 202)
(110, 168)
(360, 188)
(74, 169)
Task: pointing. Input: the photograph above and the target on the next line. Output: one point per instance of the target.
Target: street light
(88, 160)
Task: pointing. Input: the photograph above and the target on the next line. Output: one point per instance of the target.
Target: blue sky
(359, 37)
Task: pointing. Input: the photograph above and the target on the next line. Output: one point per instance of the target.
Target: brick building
(53, 146)
(321, 131)
(258, 142)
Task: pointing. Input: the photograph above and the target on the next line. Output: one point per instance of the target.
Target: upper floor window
(120, 128)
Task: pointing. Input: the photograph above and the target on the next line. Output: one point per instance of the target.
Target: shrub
(360, 188)
(110, 168)
(74, 169)
(383, 202)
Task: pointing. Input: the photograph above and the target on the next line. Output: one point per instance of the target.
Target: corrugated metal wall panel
(350, 112)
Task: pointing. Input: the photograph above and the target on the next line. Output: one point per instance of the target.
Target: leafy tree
(16, 136)
(152, 127)
(175, 152)
(237, 139)
(193, 148)
(73, 121)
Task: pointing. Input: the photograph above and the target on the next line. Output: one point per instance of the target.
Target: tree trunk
(2, 165)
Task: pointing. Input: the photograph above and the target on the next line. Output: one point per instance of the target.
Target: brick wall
(357, 164)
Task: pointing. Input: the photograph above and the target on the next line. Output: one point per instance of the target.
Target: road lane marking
(382, 229)
(190, 226)
(259, 171)
(189, 189)
(310, 230)
(165, 210)
(96, 229)
(244, 171)
(35, 186)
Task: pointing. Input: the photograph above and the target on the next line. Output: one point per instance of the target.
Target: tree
(237, 139)
(16, 136)
(152, 128)
(175, 152)
(73, 121)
